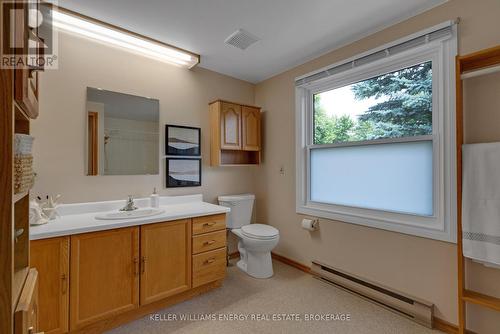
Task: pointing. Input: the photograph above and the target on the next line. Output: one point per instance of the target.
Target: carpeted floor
(290, 294)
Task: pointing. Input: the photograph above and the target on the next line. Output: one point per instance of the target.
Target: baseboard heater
(407, 306)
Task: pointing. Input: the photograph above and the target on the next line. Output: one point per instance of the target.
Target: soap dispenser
(155, 199)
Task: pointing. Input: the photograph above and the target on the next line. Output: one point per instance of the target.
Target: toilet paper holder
(310, 224)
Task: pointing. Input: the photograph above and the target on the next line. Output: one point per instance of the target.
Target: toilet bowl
(256, 241)
(255, 249)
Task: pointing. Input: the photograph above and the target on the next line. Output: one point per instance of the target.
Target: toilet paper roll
(309, 224)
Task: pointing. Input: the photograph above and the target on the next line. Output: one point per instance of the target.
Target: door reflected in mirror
(122, 134)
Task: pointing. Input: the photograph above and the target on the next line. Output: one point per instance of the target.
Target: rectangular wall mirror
(122, 134)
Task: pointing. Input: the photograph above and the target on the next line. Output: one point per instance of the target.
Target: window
(375, 138)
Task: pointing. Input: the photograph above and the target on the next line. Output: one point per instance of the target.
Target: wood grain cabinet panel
(26, 77)
(165, 260)
(250, 128)
(50, 257)
(230, 124)
(209, 241)
(26, 315)
(209, 266)
(104, 277)
(209, 224)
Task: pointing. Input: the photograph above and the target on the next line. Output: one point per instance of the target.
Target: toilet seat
(259, 231)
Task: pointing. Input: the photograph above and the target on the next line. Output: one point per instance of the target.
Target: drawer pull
(208, 243)
(210, 224)
(211, 260)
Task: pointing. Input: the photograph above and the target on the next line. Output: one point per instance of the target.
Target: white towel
(481, 202)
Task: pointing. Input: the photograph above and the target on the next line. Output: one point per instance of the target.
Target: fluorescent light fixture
(89, 28)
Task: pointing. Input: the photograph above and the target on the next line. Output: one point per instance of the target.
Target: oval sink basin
(139, 213)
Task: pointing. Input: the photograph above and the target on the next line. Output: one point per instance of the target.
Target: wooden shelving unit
(482, 62)
(18, 105)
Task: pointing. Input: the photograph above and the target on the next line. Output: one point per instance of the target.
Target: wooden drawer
(209, 224)
(209, 266)
(26, 315)
(209, 241)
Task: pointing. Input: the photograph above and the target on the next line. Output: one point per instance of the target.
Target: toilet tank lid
(236, 198)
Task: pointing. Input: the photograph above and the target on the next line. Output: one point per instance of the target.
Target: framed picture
(183, 172)
(182, 140)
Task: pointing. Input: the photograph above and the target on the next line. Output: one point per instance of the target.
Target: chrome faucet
(130, 204)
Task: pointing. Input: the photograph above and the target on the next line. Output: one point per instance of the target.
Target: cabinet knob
(209, 224)
(211, 260)
(211, 242)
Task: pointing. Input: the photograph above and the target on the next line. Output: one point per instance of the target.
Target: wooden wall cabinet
(104, 275)
(51, 259)
(165, 260)
(235, 132)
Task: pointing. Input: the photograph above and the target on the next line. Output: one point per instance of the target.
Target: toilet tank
(241, 209)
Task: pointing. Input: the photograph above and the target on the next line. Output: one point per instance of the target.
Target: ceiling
(291, 31)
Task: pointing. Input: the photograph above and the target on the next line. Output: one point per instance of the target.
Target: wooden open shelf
(232, 158)
(482, 299)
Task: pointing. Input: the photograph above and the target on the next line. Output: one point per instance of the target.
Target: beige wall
(418, 266)
(184, 96)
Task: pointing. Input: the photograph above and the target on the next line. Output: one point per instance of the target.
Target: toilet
(256, 241)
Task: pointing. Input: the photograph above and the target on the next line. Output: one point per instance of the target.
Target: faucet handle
(130, 198)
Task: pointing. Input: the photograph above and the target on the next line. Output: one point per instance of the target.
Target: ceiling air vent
(241, 39)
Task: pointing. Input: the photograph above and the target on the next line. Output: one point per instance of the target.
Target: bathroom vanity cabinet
(98, 280)
(235, 134)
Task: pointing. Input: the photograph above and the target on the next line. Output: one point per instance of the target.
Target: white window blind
(378, 54)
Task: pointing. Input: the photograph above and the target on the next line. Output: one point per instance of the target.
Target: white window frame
(442, 224)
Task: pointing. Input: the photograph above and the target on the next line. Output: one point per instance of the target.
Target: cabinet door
(50, 257)
(104, 275)
(165, 259)
(230, 123)
(250, 128)
(26, 76)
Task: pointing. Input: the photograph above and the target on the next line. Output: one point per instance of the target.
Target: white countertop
(80, 218)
